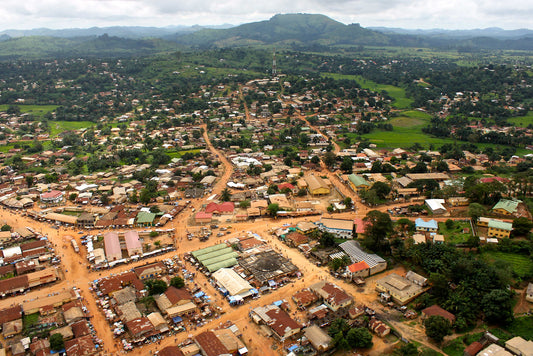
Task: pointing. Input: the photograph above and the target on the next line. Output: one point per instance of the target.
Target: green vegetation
(455, 234)
(400, 100)
(522, 121)
(456, 346)
(523, 327)
(37, 110)
(179, 154)
(521, 265)
(58, 127)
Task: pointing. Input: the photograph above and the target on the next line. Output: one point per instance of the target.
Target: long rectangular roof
(230, 280)
(358, 255)
(132, 240)
(111, 244)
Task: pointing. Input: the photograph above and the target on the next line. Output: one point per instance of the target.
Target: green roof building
(506, 207)
(145, 219)
(358, 182)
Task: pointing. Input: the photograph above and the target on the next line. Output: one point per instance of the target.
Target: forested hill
(286, 30)
(102, 46)
(289, 31)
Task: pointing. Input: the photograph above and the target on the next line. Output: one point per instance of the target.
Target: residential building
(112, 246)
(374, 262)
(316, 185)
(506, 207)
(358, 183)
(333, 296)
(426, 226)
(499, 229)
(436, 310)
(529, 292)
(518, 346)
(399, 288)
(343, 228)
(436, 206)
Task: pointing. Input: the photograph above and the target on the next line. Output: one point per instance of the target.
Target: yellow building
(317, 185)
(499, 229)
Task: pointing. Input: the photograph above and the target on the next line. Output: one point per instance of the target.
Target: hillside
(286, 29)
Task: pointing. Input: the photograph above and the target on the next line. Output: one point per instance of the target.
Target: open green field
(37, 110)
(398, 94)
(57, 127)
(178, 154)
(455, 235)
(522, 121)
(521, 265)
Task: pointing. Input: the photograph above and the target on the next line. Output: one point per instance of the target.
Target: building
(343, 228)
(224, 208)
(320, 340)
(494, 350)
(506, 207)
(203, 218)
(316, 185)
(170, 351)
(399, 288)
(529, 292)
(145, 219)
(209, 344)
(139, 327)
(279, 322)
(295, 239)
(358, 269)
(52, 197)
(436, 206)
(231, 281)
(358, 183)
(436, 310)
(499, 229)
(378, 327)
(416, 278)
(304, 298)
(334, 297)
(426, 226)
(112, 246)
(374, 262)
(518, 346)
(133, 244)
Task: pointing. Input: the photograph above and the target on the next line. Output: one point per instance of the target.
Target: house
(231, 281)
(150, 270)
(318, 338)
(343, 228)
(426, 226)
(473, 349)
(499, 229)
(436, 206)
(436, 310)
(416, 278)
(378, 327)
(358, 269)
(133, 244)
(112, 246)
(399, 288)
(224, 208)
(170, 351)
(304, 298)
(203, 218)
(506, 207)
(209, 344)
(279, 322)
(85, 220)
(358, 183)
(352, 249)
(494, 350)
(529, 292)
(52, 197)
(295, 239)
(333, 296)
(316, 185)
(518, 346)
(145, 219)
(139, 327)
(81, 346)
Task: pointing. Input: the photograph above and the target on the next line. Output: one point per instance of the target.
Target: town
(206, 210)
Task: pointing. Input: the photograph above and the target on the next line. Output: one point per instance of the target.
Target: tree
(442, 166)
(382, 189)
(244, 204)
(378, 229)
(437, 327)
(409, 349)
(327, 239)
(177, 282)
(155, 286)
(225, 195)
(449, 224)
(359, 338)
(29, 181)
(420, 168)
(338, 326)
(347, 165)
(6, 227)
(273, 209)
(56, 342)
(329, 159)
(522, 226)
(476, 211)
(497, 305)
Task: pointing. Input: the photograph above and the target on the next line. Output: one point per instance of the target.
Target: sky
(409, 14)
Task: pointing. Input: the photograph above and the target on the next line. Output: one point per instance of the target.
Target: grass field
(398, 94)
(37, 110)
(521, 265)
(178, 154)
(57, 127)
(455, 235)
(522, 121)
(522, 326)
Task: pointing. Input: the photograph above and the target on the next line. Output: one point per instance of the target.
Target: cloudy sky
(450, 14)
